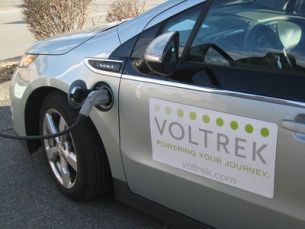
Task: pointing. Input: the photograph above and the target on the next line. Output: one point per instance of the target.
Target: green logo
(249, 128)
(234, 125)
(180, 113)
(219, 122)
(168, 110)
(265, 132)
(193, 116)
(206, 119)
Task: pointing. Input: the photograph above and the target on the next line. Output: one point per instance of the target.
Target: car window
(182, 23)
(252, 34)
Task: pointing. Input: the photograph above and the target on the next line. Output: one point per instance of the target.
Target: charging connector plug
(99, 97)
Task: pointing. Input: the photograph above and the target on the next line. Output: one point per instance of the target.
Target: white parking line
(10, 11)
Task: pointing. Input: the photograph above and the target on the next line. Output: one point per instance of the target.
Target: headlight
(27, 60)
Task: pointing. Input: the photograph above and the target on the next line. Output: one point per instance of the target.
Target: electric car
(205, 123)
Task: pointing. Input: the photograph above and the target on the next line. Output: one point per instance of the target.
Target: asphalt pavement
(29, 197)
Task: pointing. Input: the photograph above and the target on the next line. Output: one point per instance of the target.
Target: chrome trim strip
(108, 73)
(218, 92)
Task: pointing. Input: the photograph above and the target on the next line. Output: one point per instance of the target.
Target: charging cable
(79, 119)
(99, 97)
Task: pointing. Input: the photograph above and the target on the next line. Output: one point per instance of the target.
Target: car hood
(63, 44)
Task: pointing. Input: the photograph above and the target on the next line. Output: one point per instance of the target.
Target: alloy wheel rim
(60, 151)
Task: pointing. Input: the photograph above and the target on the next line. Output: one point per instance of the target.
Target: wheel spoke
(60, 151)
(52, 153)
(65, 174)
(62, 124)
(51, 126)
(62, 127)
(71, 159)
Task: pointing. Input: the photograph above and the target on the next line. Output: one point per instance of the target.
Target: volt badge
(103, 65)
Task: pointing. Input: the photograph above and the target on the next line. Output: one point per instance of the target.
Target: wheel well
(32, 112)
(32, 117)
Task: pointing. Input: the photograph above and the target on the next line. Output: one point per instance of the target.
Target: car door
(221, 140)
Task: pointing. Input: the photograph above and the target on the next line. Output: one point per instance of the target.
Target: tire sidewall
(81, 138)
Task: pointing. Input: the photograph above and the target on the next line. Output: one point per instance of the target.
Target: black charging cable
(97, 97)
(80, 118)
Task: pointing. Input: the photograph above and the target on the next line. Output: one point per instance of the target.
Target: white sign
(230, 149)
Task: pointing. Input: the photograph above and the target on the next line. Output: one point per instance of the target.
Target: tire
(84, 174)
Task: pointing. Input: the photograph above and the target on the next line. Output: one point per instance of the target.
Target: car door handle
(293, 126)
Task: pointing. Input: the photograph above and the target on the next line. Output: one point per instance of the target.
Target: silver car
(207, 120)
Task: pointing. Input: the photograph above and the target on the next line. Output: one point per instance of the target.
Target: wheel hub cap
(60, 151)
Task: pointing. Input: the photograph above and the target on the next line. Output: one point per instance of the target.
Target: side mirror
(161, 55)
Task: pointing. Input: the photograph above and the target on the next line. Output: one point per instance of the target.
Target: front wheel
(78, 161)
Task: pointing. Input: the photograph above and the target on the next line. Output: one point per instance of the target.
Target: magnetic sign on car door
(230, 149)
